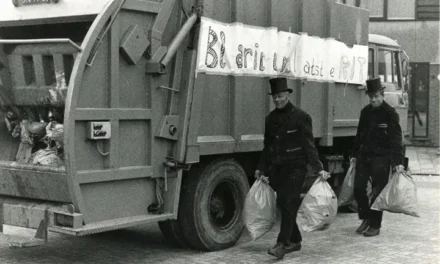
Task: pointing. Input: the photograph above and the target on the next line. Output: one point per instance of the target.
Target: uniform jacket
(288, 137)
(379, 134)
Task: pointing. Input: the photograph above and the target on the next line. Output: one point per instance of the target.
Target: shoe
(372, 232)
(277, 251)
(363, 227)
(292, 247)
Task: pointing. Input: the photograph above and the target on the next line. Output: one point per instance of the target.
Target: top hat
(374, 85)
(278, 85)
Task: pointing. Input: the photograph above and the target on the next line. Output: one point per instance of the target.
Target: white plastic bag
(259, 209)
(398, 196)
(46, 158)
(319, 207)
(346, 196)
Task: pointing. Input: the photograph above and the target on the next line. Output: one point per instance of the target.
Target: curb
(425, 174)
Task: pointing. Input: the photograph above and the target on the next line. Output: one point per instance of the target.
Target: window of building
(428, 10)
(349, 2)
(377, 9)
(401, 9)
(357, 3)
(404, 10)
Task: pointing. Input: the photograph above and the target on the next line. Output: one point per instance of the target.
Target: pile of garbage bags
(41, 136)
(320, 205)
(317, 211)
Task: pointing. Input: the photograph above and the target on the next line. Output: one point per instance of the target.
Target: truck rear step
(21, 237)
(110, 225)
(27, 237)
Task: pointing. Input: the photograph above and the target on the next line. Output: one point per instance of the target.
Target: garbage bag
(24, 132)
(46, 157)
(11, 120)
(346, 196)
(37, 128)
(318, 208)
(54, 133)
(398, 196)
(259, 209)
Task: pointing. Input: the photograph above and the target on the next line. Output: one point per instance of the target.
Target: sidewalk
(423, 161)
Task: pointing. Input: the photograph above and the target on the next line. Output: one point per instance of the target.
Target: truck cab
(387, 60)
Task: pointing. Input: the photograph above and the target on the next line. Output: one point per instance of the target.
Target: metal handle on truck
(100, 38)
(178, 39)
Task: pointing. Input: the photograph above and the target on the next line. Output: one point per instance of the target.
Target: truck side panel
(233, 108)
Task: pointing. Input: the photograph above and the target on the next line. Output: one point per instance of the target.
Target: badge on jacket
(291, 131)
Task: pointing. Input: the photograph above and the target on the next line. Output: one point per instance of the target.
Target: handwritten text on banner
(237, 49)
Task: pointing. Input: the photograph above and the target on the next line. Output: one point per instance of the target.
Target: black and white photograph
(219, 131)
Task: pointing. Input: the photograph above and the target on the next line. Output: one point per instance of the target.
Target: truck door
(389, 70)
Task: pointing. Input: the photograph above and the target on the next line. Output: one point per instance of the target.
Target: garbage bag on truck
(398, 196)
(46, 157)
(346, 196)
(54, 134)
(318, 208)
(259, 209)
(11, 120)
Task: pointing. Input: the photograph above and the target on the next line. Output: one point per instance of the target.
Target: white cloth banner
(238, 49)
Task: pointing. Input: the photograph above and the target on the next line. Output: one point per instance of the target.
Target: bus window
(370, 63)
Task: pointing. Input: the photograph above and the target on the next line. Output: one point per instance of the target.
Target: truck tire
(212, 205)
(172, 231)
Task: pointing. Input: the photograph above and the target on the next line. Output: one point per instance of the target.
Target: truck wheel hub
(223, 205)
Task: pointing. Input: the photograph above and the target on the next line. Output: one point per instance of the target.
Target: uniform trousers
(377, 168)
(287, 181)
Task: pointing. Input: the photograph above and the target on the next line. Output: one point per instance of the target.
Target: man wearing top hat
(377, 147)
(289, 146)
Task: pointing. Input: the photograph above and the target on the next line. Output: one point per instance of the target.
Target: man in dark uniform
(288, 146)
(378, 146)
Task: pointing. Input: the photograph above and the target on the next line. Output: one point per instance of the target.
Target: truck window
(370, 63)
(397, 70)
(387, 66)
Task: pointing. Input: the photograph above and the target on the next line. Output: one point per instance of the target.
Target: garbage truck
(106, 123)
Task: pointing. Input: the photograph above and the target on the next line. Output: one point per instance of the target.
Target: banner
(238, 49)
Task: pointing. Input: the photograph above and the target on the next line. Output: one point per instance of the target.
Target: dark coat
(288, 137)
(379, 134)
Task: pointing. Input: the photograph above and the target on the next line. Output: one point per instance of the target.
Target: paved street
(403, 239)
(423, 161)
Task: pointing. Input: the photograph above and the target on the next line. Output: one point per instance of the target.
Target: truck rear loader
(104, 123)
